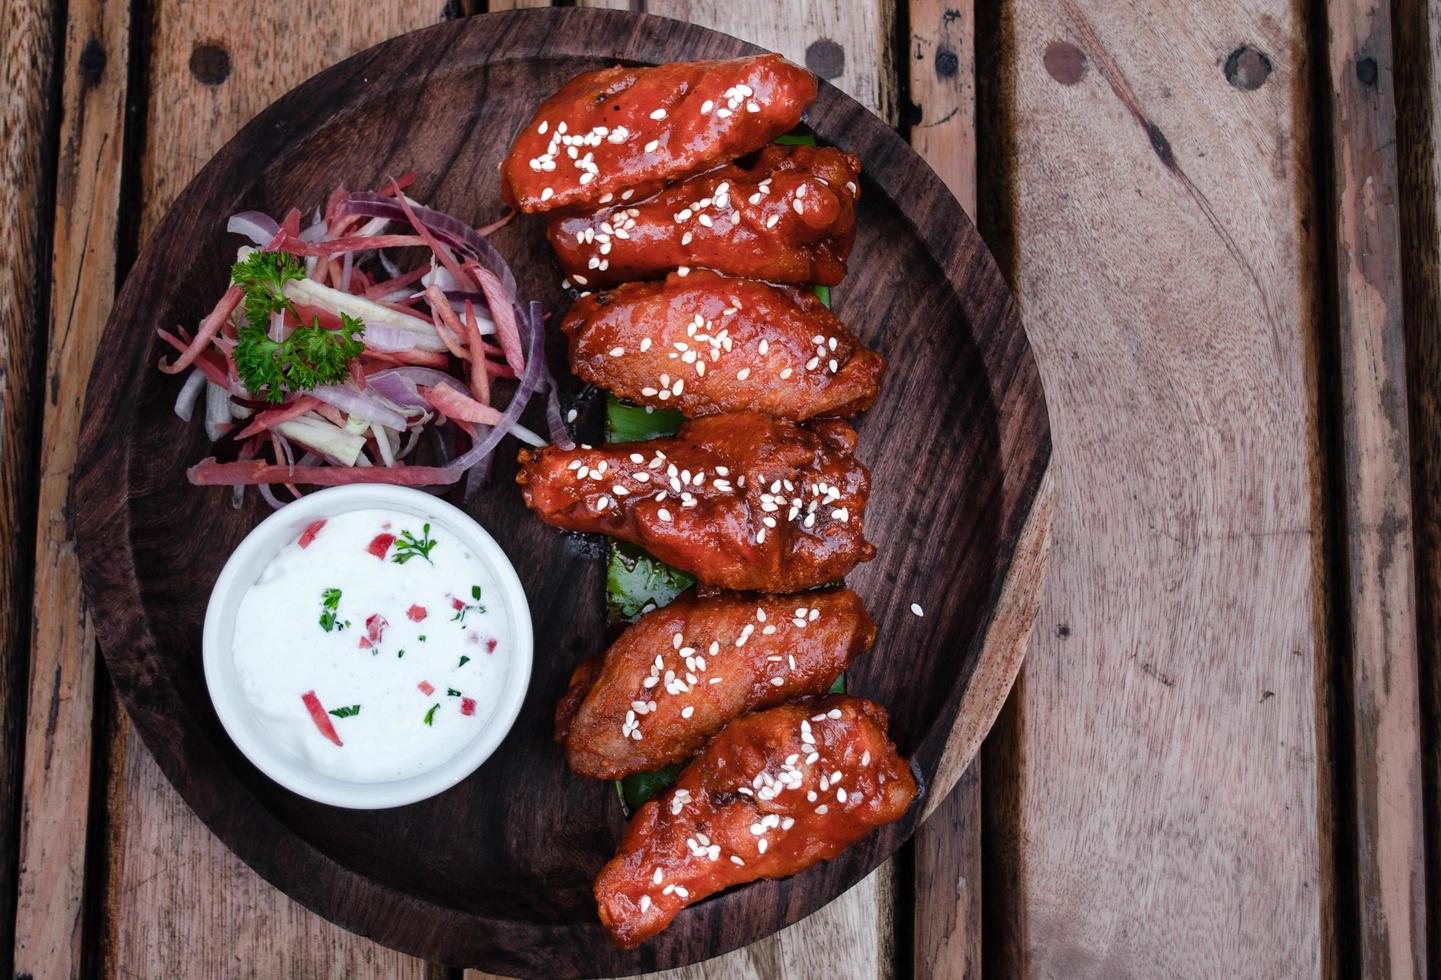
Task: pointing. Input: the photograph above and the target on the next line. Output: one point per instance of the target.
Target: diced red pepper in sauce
(311, 530)
(426, 688)
(318, 715)
(375, 627)
(380, 544)
(490, 645)
(416, 613)
(467, 706)
(365, 643)
(456, 604)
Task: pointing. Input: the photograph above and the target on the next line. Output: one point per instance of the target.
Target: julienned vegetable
(324, 362)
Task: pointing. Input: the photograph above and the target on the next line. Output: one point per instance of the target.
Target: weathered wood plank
(1417, 63)
(942, 71)
(27, 67)
(59, 743)
(178, 902)
(1380, 644)
(1169, 791)
(946, 918)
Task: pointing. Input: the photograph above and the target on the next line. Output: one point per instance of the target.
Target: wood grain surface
(1379, 637)
(1417, 71)
(55, 821)
(983, 439)
(27, 163)
(1169, 751)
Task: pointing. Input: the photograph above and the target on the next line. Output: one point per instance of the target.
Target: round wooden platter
(497, 872)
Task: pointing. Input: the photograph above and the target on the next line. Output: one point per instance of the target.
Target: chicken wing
(621, 133)
(771, 795)
(790, 218)
(680, 673)
(741, 501)
(703, 344)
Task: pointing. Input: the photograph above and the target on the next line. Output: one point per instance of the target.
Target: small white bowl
(242, 722)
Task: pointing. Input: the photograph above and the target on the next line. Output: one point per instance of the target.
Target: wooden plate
(497, 872)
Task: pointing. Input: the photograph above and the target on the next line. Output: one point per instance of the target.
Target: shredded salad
(325, 363)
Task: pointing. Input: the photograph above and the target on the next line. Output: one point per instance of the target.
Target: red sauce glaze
(773, 794)
(742, 501)
(789, 218)
(634, 129)
(735, 654)
(703, 344)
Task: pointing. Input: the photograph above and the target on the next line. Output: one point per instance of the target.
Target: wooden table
(1221, 759)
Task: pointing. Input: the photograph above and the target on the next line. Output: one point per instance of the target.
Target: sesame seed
(797, 206)
(822, 810)
(652, 146)
(771, 221)
(683, 271)
(644, 344)
(579, 279)
(916, 608)
(687, 711)
(866, 757)
(786, 373)
(617, 351)
(735, 859)
(761, 846)
(743, 373)
(658, 114)
(544, 125)
(547, 194)
(663, 514)
(607, 197)
(778, 681)
(685, 239)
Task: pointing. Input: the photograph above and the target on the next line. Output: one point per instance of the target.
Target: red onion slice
(257, 226)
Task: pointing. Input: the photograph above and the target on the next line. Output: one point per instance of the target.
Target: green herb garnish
(408, 547)
(430, 715)
(467, 608)
(347, 712)
(400, 654)
(330, 604)
(463, 661)
(311, 356)
(452, 692)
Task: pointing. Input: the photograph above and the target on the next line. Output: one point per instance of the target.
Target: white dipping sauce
(436, 635)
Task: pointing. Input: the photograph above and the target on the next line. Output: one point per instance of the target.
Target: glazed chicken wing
(703, 344)
(790, 218)
(680, 673)
(741, 501)
(771, 795)
(620, 133)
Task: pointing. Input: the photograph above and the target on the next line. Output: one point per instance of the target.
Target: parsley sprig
(329, 607)
(407, 546)
(346, 712)
(311, 356)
